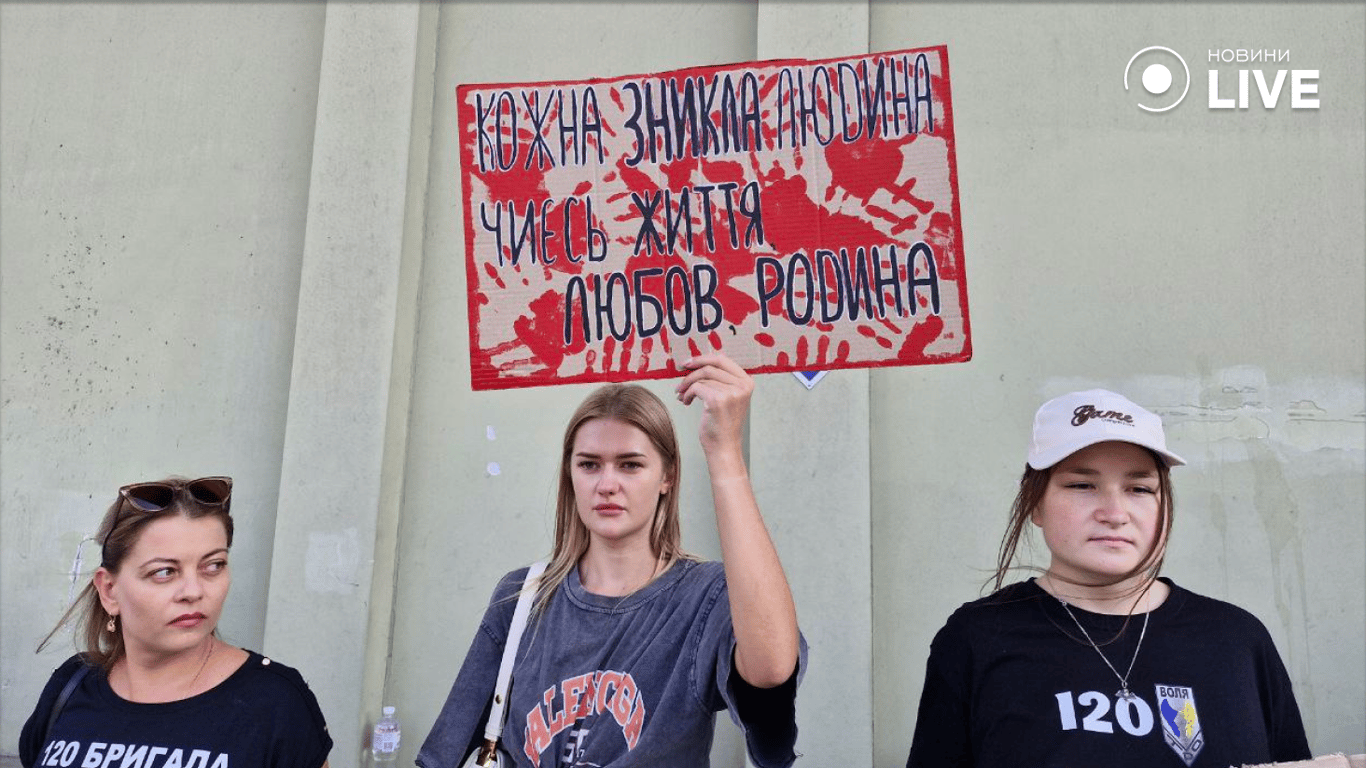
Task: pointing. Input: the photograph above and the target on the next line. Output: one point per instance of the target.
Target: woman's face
(1099, 514)
(169, 591)
(618, 478)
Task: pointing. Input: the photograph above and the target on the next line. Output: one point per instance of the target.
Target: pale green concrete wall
(155, 164)
(274, 288)
(341, 473)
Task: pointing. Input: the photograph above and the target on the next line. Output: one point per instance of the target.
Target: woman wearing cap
(155, 686)
(1097, 661)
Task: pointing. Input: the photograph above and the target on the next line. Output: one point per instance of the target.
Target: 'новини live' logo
(1154, 68)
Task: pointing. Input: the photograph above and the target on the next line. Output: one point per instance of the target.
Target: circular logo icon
(1157, 76)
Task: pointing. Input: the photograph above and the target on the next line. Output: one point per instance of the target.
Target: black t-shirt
(1012, 682)
(262, 716)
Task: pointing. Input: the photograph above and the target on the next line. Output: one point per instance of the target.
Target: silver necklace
(1123, 692)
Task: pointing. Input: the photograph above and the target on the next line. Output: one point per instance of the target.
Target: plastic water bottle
(384, 741)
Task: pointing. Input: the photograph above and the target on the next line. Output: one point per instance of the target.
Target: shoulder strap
(62, 697)
(494, 728)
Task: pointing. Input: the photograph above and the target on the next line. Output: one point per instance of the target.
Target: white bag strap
(494, 728)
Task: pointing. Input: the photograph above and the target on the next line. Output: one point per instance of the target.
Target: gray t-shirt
(608, 681)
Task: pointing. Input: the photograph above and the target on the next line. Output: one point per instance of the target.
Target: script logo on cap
(1085, 413)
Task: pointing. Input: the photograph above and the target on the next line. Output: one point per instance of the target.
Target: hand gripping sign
(796, 214)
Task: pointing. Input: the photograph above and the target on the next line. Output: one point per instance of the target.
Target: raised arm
(761, 607)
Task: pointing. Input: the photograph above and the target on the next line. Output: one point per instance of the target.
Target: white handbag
(487, 754)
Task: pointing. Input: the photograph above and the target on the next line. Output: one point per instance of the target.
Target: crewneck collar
(1169, 605)
(625, 603)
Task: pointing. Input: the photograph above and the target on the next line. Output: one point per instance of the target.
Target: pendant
(1125, 693)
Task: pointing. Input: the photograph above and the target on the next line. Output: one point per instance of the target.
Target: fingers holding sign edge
(713, 367)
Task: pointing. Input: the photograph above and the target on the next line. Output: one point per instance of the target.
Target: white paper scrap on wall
(331, 562)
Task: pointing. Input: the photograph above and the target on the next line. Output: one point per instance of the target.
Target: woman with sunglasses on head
(1097, 661)
(634, 645)
(155, 685)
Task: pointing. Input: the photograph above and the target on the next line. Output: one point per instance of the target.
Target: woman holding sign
(1098, 661)
(633, 645)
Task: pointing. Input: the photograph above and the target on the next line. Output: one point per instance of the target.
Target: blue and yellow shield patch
(1180, 721)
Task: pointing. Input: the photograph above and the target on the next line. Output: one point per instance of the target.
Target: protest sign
(798, 215)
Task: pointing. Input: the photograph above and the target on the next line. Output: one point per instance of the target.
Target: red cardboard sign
(796, 214)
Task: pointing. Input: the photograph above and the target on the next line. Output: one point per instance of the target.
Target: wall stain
(1275, 504)
(63, 360)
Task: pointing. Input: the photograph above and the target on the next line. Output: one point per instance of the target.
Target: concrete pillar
(352, 349)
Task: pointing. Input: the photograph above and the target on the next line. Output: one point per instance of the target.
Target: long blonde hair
(637, 406)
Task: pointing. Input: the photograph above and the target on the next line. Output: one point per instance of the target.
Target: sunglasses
(155, 497)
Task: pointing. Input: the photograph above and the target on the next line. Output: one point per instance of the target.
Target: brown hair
(637, 406)
(118, 533)
(1033, 485)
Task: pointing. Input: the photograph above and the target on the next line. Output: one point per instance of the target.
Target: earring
(110, 626)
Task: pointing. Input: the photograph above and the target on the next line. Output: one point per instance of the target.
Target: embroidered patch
(1180, 721)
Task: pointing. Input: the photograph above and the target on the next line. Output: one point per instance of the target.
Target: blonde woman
(633, 644)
